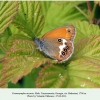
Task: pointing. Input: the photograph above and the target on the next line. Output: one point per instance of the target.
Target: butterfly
(58, 43)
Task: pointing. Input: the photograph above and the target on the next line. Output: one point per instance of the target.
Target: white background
(88, 94)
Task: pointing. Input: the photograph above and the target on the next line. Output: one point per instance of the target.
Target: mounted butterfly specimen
(58, 43)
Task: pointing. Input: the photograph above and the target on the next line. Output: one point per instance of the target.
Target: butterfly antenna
(33, 40)
(35, 36)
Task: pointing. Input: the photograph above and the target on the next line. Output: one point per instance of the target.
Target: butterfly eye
(65, 49)
(65, 43)
(68, 31)
(63, 53)
(61, 56)
(59, 40)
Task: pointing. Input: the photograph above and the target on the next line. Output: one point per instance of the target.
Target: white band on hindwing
(61, 47)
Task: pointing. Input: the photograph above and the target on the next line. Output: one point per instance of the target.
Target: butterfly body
(57, 44)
